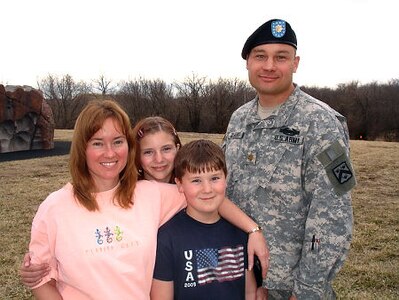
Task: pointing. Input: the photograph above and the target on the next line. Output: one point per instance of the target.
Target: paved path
(60, 148)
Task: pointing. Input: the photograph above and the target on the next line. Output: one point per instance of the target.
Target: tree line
(198, 104)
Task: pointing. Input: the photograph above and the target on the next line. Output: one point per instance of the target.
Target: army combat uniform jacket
(291, 172)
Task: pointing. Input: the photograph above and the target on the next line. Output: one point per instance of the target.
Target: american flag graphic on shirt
(226, 264)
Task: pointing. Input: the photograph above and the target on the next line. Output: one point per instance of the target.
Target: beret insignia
(278, 28)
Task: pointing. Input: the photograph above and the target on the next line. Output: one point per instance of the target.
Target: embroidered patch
(342, 172)
(235, 135)
(281, 138)
(338, 168)
(289, 131)
(278, 28)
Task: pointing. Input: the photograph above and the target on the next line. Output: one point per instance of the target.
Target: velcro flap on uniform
(332, 153)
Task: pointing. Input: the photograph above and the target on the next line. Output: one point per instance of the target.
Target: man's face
(271, 67)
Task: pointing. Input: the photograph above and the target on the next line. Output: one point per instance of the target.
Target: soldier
(289, 168)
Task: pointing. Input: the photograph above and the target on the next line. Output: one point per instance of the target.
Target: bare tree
(143, 98)
(65, 97)
(191, 92)
(371, 109)
(103, 85)
(201, 106)
(156, 93)
(222, 98)
(130, 96)
(386, 110)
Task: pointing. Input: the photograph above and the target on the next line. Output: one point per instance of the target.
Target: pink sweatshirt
(102, 255)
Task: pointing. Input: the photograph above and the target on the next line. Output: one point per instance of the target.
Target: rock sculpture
(26, 119)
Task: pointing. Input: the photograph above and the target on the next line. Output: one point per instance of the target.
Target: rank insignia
(250, 157)
(278, 28)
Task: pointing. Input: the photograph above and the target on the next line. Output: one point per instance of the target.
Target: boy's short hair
(199, 156)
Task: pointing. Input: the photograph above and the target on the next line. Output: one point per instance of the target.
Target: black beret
(272, 32)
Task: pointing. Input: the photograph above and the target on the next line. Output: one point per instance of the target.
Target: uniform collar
(279, 117)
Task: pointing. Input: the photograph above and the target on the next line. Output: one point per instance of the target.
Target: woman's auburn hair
(89, 121)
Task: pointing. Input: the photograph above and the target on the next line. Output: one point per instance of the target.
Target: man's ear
(296, 63)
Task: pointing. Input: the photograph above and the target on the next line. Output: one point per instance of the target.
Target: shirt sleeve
(328, 229)
(172, 201)
(42, 243)
(164, 264)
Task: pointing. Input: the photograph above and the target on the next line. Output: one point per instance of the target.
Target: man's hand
(257, 246)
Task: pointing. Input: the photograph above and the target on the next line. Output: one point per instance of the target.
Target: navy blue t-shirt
(205, 261)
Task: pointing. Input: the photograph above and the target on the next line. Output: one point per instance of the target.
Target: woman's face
(106, 155)
(157, 155)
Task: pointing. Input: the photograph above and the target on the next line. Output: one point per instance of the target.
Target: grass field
(371, 272)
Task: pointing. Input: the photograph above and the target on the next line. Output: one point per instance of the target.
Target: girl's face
(157, 155)
(106, 155)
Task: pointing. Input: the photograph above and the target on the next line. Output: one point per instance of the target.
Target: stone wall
(26, 119)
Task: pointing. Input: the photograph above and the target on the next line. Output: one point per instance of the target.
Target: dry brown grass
(371, 272)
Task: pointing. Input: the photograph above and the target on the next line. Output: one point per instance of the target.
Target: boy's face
(204, 193)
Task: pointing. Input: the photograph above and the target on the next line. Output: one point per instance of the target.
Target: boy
(199, 254)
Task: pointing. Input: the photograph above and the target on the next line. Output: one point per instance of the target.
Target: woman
(157, 145)
(98, 233)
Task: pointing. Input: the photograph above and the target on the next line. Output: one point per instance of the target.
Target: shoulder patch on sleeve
(338, 168)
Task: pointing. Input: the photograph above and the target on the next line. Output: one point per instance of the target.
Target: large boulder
(26, 119)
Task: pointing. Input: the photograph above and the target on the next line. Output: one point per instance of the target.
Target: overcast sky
(338, 40)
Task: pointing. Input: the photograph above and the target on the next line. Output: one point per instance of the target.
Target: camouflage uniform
(291, 172)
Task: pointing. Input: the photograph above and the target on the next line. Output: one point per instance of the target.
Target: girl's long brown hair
(90, 120)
